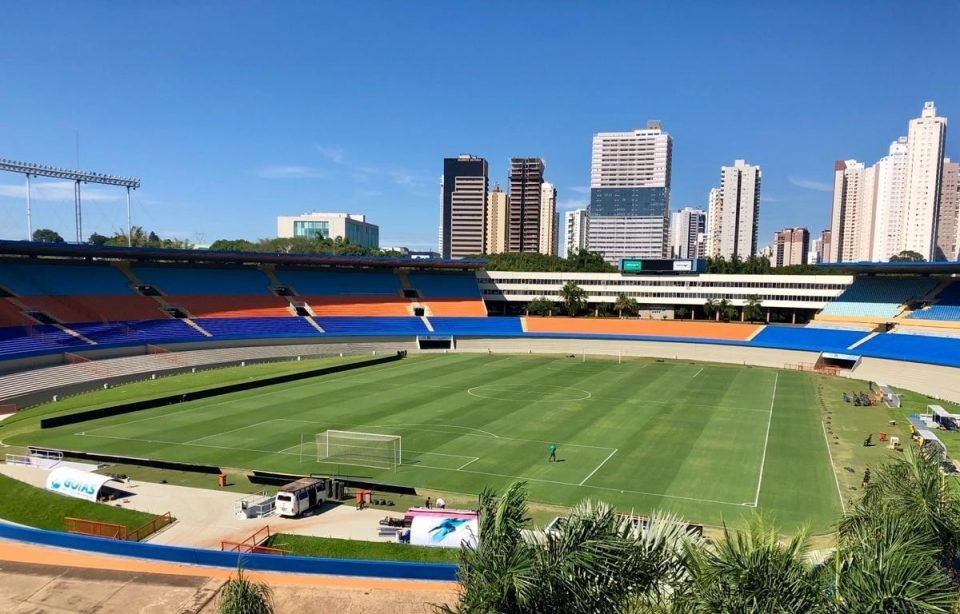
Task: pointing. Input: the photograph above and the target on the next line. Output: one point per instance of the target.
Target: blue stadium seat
(807, 338)
(25, 340)
(64, 280)
(495, 326)
(341, 283)
(946, 306)
(373, 326)
(137, 331)
(915, 348)
(206, 281)
(258, 327)
(445, 285)
(878, 297)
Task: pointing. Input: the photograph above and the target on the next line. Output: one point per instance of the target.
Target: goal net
(360, 449)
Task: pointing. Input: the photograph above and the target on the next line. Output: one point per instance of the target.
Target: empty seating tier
(497, 327)
(63, 279)
(878, 297)
(222, 306)
(646, 328)
(11, 315)
(133, 332)
(456, 307)
(174, 280)
(946, 306)
(916, 348)
(328, 306)
(807, 338)
(373, 326)
(96, 308)
(258, 327)
(445, 285)
(25, 340)
(340, 283)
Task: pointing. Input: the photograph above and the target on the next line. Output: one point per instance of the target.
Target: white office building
(735, 211)
(630, 193)
(925, 144)
(350, 226)
(576, 227)
(548, 219)
(687, 233)
(851, 221)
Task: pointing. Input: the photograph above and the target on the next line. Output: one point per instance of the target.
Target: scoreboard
(659, 266)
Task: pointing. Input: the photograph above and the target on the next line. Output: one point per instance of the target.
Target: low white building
(351, 226)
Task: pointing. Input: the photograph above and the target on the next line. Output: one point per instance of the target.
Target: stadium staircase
(294, 299)
(165, 307)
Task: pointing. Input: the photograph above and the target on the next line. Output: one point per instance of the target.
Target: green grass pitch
(709, 442)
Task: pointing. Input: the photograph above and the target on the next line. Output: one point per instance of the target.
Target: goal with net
(361, 449)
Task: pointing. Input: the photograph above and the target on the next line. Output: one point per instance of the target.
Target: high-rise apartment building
(687, 233)
(526, 188)
(948, 223)
(630, 193)
(736, 211)
(498, 221)
(790, 247)
(925, 145)
(890, 178)
(815, 251)
(851, 222)
(712, 232)
(463, 206)
(548, 219)
(826, 245)
(576, 227)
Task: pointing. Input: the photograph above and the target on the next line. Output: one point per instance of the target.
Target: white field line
(597, 468)
(467, 463)
(230, 431)
(697, 373)
(836, 479)
(763, 460)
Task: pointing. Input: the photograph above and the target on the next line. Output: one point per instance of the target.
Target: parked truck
(297, 497)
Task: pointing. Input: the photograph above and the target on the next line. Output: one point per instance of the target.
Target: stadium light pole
(129, 227)
(29, 212)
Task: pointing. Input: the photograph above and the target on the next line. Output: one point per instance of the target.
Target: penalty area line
(766, 439)
(597, 468)
(475, 459)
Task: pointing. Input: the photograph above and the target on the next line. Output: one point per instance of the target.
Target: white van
(302, 495)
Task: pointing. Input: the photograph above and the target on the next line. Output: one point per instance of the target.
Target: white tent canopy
(76, 483)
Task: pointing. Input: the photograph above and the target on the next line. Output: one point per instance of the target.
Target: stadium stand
(495, 327)
(878, 297)
(456, 307)
(915, 348)
(258, 327)
(56, 279)
(192, 280)
(207, 306)
(445, 285)
(95, 308)
(25, 340)
(373, 326)
(12, 315)
(340, 283)
(152, 331)
(328, 306)
(807, 338)
(651, 328)
(946, 306)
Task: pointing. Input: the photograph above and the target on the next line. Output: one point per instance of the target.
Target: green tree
(711, 308)
(681, 313)
(753, 310)
(625, 303)
(907, 256)
(574, 298)
(232, 245)
(241, 596)
(577, 261)
(98, 239)
(540, 306)
(45, 235)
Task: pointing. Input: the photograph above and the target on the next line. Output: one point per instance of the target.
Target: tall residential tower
(687, 233)
(463, 206)
(735, 212)
(526, 191)
(925, 144)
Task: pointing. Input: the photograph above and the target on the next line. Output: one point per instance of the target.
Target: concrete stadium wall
(932, 380)
(215, 558)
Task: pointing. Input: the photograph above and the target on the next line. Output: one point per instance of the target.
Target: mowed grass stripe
(689, 437)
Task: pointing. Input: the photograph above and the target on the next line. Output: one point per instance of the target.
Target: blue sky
(233, 113)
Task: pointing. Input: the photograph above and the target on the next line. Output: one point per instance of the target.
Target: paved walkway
(41, 579)
(205, 517)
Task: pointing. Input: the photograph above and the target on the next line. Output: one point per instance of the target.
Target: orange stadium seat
(652, 328)
(236, 306)
(330, 306)
(10, 315)
(96, 308)
(455, 307)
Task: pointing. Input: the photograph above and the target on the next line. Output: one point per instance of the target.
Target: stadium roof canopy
(908, 268)
(150, 254)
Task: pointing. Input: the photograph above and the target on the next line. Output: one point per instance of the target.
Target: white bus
(297, 497)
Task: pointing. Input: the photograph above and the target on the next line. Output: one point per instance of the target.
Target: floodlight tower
(77, 177)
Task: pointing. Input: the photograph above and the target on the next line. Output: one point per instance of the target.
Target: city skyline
(189, 99)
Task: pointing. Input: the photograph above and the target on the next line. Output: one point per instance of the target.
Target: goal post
(374, 450)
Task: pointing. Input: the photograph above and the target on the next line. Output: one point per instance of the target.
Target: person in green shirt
(553, 453)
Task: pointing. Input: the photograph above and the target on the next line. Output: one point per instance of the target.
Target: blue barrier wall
(214, 558)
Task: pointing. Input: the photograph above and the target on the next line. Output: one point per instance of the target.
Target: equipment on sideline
(360, 449)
